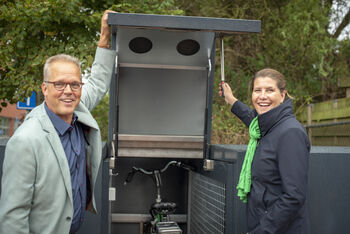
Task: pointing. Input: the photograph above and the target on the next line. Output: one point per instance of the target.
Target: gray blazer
(36, 185)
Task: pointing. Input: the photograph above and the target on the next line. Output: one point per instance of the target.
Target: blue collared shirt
(73, 142)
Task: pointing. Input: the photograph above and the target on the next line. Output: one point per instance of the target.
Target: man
(52, 160)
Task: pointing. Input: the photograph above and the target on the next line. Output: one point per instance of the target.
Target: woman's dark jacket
(277, 199)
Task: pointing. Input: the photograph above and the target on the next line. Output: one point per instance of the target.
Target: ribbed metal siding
(207, 205)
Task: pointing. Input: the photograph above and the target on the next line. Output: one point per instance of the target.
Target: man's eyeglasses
(59, 86)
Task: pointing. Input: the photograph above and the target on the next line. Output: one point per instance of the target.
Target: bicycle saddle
(164, 206)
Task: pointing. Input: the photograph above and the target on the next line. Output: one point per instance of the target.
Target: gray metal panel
(219, 189)
(207, 208)
(328, 187)
(164, 47)
(232, 156)
(329, 190)
(162, 102)
(184, 22)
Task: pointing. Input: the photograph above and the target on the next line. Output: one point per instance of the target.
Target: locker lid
(170, 22)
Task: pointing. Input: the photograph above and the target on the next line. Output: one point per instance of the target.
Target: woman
(273, 179)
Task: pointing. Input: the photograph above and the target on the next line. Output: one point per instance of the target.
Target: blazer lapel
(86, 119)
(57, 148)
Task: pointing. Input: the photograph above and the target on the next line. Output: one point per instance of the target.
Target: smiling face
(62, 103)
(266, 95)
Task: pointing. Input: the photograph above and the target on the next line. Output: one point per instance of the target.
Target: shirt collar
(60, 125)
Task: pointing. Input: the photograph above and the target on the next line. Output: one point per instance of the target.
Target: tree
(294, 39)
(32, 31)
(340, 16)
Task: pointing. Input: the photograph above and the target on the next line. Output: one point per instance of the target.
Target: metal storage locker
(162, 96)
(161, 104)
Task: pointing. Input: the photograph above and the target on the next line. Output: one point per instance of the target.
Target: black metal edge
(221, 25)
(112, 98)
(230, 201)
(210, 97)
(105, 221)
(209, 103)
(112, 125)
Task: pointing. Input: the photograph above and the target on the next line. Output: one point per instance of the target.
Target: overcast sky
(338, 18)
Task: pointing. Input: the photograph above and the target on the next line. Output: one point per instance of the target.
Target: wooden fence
(328, 123)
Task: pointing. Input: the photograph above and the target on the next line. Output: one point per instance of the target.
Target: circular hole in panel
(140, 45)
(188, 47)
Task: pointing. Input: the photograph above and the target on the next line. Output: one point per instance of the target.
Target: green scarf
(245, 178)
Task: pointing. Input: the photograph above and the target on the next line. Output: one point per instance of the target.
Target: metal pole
(222, 59)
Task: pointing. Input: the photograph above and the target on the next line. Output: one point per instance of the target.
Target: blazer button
(68, 218)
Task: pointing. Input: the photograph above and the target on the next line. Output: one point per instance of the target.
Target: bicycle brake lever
(188, 167)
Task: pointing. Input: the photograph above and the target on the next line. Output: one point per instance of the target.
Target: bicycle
(159, 210)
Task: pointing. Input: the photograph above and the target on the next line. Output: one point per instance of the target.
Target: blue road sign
(30, 103)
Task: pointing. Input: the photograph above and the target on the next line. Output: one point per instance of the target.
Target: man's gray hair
(59, 57)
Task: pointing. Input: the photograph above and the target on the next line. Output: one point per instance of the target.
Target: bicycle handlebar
(147, 172)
